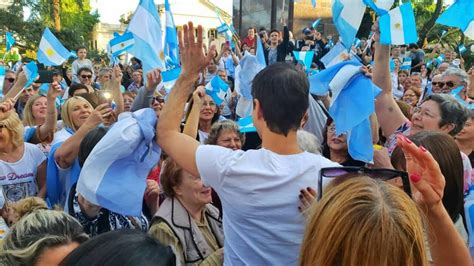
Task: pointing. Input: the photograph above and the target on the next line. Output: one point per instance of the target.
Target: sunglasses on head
(159, 99)
(377, 173)
(11, 80)
(86, 76)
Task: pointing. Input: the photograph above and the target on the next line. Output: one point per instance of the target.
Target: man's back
(259, 193)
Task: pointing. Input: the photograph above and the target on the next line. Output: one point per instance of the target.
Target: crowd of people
(287, 193)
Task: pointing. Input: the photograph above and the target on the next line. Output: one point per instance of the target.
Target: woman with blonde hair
(22, 165)
(364, 221)
(42, 237)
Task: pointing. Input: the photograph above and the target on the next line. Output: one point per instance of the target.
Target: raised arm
(46, 130)
(389, 115)
(178, 146)
(446, 245)
(68, 151)
(145, 93)
(117, 76)
(18, 86)
(192, 122)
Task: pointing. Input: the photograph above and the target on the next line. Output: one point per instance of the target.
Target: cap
(307, 31)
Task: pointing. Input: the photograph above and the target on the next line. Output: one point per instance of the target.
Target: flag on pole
(459, 15)
(146, 28)
(347, 16)
(316, 23)
(380, 7)
(121, 44)
(398, 26)
(9, 40)
(171, 38)
(222, 28)
(51, 52)
(260, 53)
(31, 73)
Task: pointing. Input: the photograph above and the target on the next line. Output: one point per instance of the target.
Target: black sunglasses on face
(11, 80)
(159, 99)
(86, 76)
(377, 173)
(439, 84)
(449, 84)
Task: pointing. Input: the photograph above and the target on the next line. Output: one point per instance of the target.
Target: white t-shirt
(259, 193)
(18, 179)
(61, 136)
(202, 136)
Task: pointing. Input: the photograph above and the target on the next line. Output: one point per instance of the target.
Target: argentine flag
(222, 28)
(2, 79)
(459, 15)
(9, 40)
(171, 38)
(305, 58)
(120, 44)
(146, 28)
(406, 65)
(31, 73)
(347, 16)
(51, 52)
(379, 6)
(398, 26)
(217, 89)
(246, 125)
(336, 55)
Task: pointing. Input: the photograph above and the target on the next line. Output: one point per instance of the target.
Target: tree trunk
(429, 25)
(56, 17)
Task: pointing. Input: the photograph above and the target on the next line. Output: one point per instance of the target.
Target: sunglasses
(377, 173)
(439, 84)
(159, 99)
(449, 84)
(86, 76)
(11, 80)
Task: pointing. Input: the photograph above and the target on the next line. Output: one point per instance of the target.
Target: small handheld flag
(336, 55)
(259, 53)
(406, 65)
(171, 39)
(316, 23)
(217, 89)
(347, 16)
(51, 52)
(462, 49)
(121, 44)
(9, 40)
(305, 58)
(398, 26)
(246, 125)
(222, 28)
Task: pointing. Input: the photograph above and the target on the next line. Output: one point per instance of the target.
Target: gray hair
(35, 232)
(308, 142)
(219, 126)
(457, 72)
(452, 112)
(104, 71)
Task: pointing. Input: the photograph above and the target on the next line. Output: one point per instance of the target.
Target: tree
(426, 14)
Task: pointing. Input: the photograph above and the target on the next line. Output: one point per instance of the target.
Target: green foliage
(76, 20)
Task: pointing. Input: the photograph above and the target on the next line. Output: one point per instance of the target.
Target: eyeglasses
(86, 76)
(11, 80)
(380, 174)
(159, 99)
(418, 110)
(449, 84)
(439, 84)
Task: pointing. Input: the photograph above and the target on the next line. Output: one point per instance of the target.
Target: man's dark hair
(282, 91)
(274, 30)
(413, 46)
(88, 143)
(80, 48)
(82, 69)
(74, 87)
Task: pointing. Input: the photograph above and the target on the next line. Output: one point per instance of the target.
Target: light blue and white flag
(246, 125)
(398, 26)
(379, 6)
(406, 65)
(222, 28)
(169, 77)
(146, 28)
(114, 174)
(217, 89)
(316, 23)
(113, 60)
(460, 15)
(353, 97)
(313, 2)
(171, 39)
(245, 72)
(51, 52)
(456, 93)
(462, 49)
(304, 58)
(120, 44)
(439, 59)
(347, 16)
(9, 40)
(260, 53)
(443, 33)
(336, 55)
(2, 79)
(31, 73)
(357, 43)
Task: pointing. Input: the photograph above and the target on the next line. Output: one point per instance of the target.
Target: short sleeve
(36, 154)
(212, 162)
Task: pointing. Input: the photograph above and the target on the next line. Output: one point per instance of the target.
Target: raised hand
(7, 105)
(99, 115)
(54, 91)
(193, 59)
(153, 78)
(198, 95)
(425, 175)
(117, 76)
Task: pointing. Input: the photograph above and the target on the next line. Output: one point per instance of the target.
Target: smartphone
(45, 76)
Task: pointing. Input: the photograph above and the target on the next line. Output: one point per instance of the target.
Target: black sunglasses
(159, 99)
(439, 84)
(449, 84)
(86, 76)
(377, 173)
(11, 80)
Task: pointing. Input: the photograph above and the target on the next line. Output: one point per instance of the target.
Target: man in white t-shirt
(258, 188)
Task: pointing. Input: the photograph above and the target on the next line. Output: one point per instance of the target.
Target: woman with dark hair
(447, 155)
(335, 147)
(465, 138)
(124, 247)
(186, 220)
(202, 113)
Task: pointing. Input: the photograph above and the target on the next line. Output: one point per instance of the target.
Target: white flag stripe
(52, 55)
(122, 45)
(146, 29)
(396, 27)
